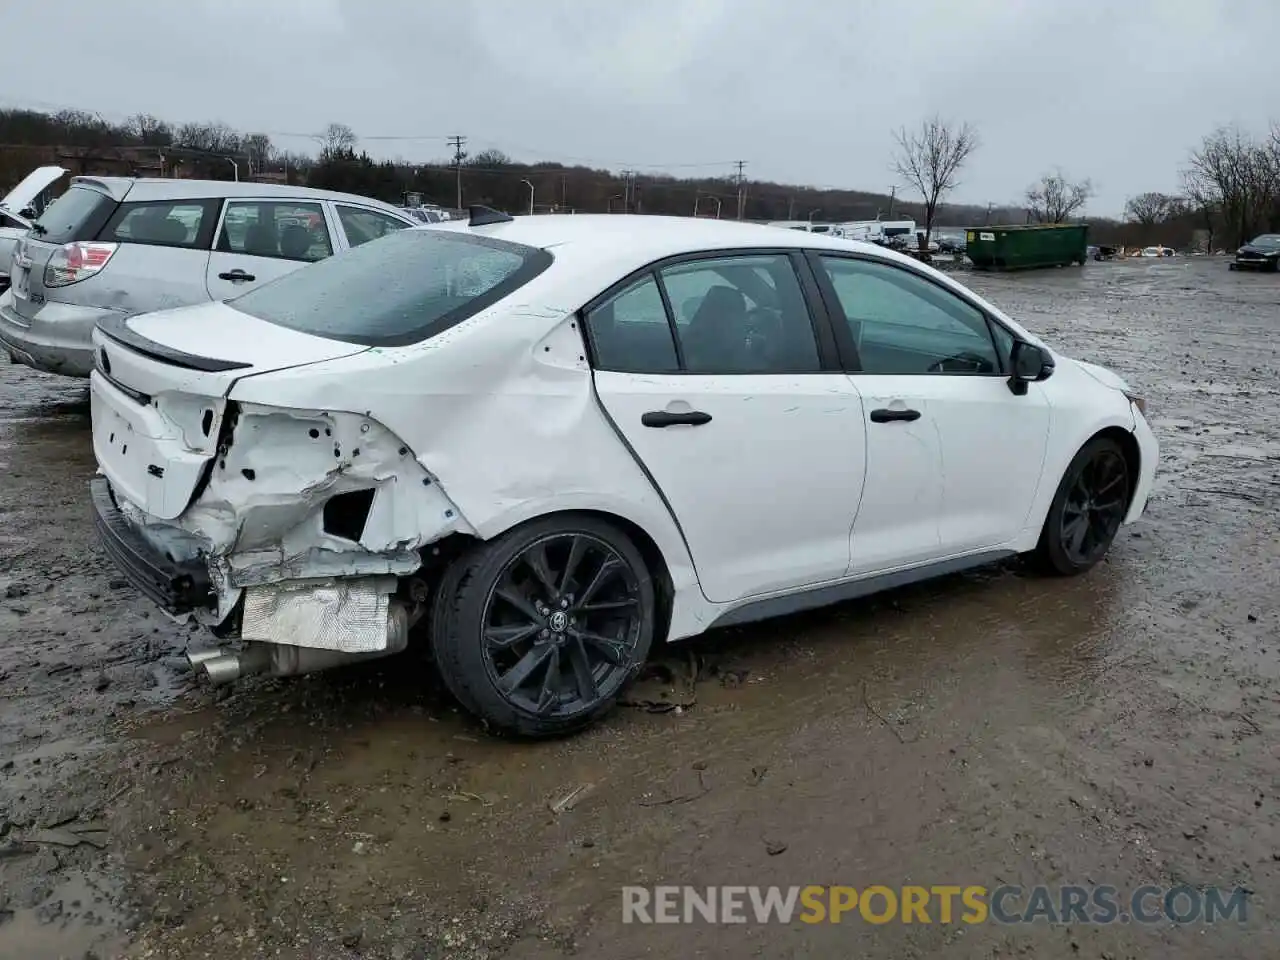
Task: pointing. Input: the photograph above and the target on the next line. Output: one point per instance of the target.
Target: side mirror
(1030, 364)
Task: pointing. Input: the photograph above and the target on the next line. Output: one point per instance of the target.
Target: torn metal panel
(349, 616)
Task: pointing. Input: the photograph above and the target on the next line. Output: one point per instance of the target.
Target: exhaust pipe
(282, 660)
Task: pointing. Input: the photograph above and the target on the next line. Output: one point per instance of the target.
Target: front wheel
(1087, 509)
(538, 631)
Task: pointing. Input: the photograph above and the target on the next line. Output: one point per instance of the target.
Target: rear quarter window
(76, 215)
(405, 288)
(165, 223)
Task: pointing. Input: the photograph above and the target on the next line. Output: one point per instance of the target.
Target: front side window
(163, 223)
(902, 323)
(286, 230)
(362, 225)
(407, 288)
(743, 314)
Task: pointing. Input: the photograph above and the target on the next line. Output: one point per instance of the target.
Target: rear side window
(362, 225)
(164, 223)
(76, 215)
(407, 287)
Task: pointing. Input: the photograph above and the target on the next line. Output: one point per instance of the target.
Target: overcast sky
(805, 91)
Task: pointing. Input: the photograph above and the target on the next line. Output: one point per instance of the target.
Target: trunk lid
(159, 393)
(31, 186)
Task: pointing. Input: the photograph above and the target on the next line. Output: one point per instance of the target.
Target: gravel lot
(1119, 728)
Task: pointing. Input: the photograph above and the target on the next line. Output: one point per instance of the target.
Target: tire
(481, 639)
(1100, 464)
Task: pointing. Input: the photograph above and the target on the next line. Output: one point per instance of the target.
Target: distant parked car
(120, 246)
(16, 213)
(1260, 253)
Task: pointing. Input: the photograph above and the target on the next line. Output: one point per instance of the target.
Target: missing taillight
(346, 514)
(77, 261)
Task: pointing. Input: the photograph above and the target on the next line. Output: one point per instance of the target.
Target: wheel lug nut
(544, 633)
(564, 604)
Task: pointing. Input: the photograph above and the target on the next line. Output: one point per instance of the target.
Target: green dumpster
(1022, 248)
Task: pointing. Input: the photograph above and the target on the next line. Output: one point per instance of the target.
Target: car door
(728, 392)
(362, 224)
(259, 240)
(954, 457)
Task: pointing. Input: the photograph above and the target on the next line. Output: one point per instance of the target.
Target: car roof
(142, 189)
(649, 238)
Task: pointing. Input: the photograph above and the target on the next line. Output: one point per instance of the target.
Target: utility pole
(742, 188)
(893, 196)
(459, 155)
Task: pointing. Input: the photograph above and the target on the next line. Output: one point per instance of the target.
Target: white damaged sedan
(558, 440)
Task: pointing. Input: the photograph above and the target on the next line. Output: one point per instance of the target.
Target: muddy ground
(1121, 728)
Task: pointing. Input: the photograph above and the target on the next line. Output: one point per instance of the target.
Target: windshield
(401, 289)
(1266, 240)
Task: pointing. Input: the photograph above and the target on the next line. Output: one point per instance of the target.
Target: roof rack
(482, 216)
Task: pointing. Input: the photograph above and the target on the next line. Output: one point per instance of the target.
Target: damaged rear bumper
(177, 586)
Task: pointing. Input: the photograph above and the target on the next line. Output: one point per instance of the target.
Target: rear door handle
(236, 274)
(661, 418)
(884, 415)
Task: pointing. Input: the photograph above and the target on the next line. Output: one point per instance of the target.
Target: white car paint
(499, 420)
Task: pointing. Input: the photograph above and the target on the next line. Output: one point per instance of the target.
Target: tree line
(1230, 183)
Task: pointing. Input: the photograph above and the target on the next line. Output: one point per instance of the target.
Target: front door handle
(893, 416)
(236, 274)
(661, 418)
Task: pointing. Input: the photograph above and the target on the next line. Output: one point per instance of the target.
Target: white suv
(118, 246)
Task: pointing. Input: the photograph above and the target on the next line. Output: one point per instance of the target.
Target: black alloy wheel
(538, 631)
(1087, 509)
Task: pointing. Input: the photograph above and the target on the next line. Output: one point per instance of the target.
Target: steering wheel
(974, 362)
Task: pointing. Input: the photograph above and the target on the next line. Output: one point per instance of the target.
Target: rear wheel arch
(439, 555)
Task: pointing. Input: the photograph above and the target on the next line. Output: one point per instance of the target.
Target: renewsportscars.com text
(943, 903)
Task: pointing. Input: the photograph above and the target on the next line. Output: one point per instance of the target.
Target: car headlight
(1137, 401)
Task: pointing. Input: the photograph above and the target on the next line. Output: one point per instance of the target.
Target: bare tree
(1238, 175)
(1149, 209)
(149, 131)
(337, 138)
(213, 137)
(929, 159)
(1054, 198)
(259, 150)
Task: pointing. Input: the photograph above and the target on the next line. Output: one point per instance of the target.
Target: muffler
(283, 660)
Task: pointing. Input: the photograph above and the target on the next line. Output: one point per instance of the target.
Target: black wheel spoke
(507, 636)
(1076, 534)
(518, 600)
(583, 673)
(1110, 504)
(549, 695)
(626, 603)
(577, 549)
(519, 675)
(609, 567)
(614, 651)
(536, 561)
